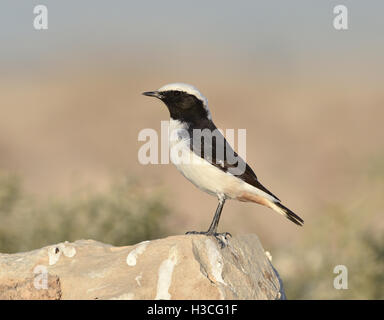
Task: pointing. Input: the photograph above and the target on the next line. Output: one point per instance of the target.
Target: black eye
(176, 93)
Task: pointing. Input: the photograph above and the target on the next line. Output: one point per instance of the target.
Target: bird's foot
(222, 237)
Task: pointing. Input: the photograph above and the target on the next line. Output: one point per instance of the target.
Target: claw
(222, 238)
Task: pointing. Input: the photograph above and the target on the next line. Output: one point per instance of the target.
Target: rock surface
(177, 267)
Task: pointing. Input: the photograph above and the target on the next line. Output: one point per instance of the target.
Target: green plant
(349, 234)
(122, 215)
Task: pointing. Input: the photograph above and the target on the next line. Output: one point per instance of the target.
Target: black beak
(155, 94)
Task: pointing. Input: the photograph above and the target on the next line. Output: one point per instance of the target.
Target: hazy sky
(295, 29)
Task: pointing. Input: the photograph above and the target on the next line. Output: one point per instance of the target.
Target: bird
(201, 162)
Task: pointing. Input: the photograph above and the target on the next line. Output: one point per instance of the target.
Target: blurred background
(310, 97)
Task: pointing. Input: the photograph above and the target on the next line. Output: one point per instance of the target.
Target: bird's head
(184, 102)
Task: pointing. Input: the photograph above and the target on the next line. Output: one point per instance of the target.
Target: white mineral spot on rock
(55, 252)
(215, 260)
(138, 278)
(132, 256)
(69, 251)
(269, 256)
(165, 275)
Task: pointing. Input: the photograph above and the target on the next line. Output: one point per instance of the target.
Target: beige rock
(177, 267)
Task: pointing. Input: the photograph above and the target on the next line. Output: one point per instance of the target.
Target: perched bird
(208, 163)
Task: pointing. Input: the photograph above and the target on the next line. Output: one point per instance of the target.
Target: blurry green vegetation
(121, 216)
(349, 233)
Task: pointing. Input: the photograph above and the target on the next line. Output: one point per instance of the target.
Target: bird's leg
(215, 222)
(213, 227)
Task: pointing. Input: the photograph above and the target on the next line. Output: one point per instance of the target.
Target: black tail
(290, 214)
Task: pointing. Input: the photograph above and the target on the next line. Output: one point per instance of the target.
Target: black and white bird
(212, 171)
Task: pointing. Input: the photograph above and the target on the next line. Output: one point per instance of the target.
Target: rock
(177, 267)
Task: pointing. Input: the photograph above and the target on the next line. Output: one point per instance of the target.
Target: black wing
(217, 151)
